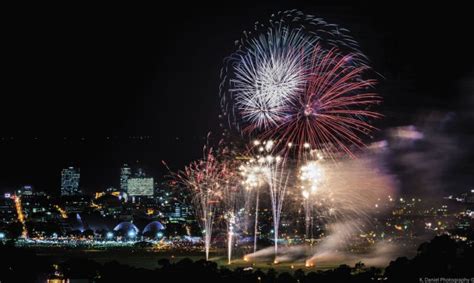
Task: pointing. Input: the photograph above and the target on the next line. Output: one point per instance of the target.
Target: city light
(20, 215)
(61, 211)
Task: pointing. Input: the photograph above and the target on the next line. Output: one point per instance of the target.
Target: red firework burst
(333, 112)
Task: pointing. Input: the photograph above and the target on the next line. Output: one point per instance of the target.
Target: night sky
(81, 85)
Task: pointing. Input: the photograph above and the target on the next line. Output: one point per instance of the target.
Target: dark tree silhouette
(440, 257)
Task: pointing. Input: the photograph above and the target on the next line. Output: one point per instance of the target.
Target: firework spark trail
(204, 178)
(232, 197)
(248, 197)
(277, 176)
(230, 220)
(253, 178)
(255, 230)
(265, 168)
(274, 172)
(310, 177)
(250, 184)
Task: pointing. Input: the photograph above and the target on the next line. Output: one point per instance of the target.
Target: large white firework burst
(269, 73)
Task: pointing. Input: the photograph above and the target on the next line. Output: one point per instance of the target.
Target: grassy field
(148, 258)
(286, 266)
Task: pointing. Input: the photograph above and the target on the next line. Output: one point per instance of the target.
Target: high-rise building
(125, 173)
(140, 187)
(7, 210)
(70, 181)
(26, 190)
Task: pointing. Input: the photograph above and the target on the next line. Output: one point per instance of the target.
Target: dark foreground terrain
(440, 258)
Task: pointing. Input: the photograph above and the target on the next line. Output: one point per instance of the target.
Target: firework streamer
(253, 179)
(248, 201)
(204, 178)
(255, 230)
(259, 171)
(310, 178)
(277, 176)
(232, 199)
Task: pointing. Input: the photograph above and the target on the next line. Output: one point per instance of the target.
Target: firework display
(302, 91)
(298, 80)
